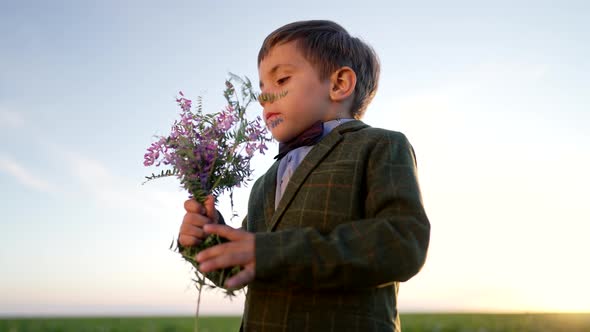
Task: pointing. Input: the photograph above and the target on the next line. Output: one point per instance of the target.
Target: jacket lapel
(313, 158)
(269, 190)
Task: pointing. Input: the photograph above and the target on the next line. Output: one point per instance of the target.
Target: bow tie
(310, 136)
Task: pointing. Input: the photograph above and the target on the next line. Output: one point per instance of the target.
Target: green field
(410, 322)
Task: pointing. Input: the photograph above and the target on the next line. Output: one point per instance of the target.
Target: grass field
(410, 322)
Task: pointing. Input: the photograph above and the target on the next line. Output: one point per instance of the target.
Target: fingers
(227, 255)
(240, 251)
(225, 231)
(221, 256)
(241, 279)
(206, 209)
(188, 241)
(191, 234)
(210, 208)
(192, 230)
(195, 219)
(192, 206)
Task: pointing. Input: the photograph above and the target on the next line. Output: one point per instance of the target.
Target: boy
(332, 228)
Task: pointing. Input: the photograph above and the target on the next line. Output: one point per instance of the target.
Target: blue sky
(493, 97)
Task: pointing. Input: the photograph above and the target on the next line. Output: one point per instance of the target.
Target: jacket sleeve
(389, 245)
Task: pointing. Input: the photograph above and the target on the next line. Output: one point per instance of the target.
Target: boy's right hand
(191, 230)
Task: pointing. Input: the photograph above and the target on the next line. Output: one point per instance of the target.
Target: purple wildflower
(185, 104)
(210, 153)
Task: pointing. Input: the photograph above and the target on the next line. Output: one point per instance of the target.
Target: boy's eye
(283, 80)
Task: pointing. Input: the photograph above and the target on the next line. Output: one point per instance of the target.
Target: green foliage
(218, 277)
(410, 323)
(163, 174)
(495, 322)
(123, 324)
(210, 154)
(271, 97)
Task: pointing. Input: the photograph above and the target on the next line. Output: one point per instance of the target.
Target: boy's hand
(197, 215)
(239, 251)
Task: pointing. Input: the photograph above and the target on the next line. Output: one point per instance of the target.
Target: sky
(493, 97)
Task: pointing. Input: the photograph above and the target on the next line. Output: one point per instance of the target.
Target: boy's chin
(284, 137)
(284, 134)
(281, 136)
(280, 139)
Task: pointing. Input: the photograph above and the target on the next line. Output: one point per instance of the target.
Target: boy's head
(324, 71)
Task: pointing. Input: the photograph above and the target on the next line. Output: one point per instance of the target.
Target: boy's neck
(338, 115)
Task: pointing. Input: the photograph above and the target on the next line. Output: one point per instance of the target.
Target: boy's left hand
(239, 251)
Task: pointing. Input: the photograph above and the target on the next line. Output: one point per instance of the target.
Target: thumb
(210, 207)
(225, 231)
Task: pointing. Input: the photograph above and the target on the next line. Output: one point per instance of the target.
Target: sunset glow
(494, 101)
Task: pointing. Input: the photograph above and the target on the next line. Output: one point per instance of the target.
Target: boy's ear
(342, 83)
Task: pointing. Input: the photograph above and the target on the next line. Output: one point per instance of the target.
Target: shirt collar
(330, 125)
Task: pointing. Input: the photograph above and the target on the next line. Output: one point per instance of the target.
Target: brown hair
(328, 46)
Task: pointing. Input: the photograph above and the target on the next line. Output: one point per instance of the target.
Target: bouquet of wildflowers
(210, 153)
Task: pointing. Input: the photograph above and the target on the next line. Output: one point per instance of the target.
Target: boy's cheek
(274, 121)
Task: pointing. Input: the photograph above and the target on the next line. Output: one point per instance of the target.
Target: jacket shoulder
(379, 134)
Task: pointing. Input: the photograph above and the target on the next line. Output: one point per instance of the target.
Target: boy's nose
(264, 98)
(262, 103)
(269, 97)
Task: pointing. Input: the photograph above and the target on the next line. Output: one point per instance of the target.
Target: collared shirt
(292, 160)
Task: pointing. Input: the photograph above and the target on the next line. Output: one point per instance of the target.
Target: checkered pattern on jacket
(349, 227)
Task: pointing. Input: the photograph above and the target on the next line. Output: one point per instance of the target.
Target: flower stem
(200, 288)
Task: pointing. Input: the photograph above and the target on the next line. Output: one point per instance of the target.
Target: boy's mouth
(271, 115)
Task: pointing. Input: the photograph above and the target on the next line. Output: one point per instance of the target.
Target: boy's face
(307, 100)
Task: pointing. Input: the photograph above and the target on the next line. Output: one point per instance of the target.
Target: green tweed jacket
(349, 227)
